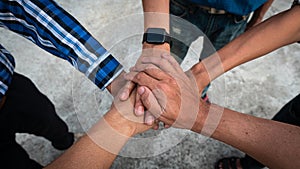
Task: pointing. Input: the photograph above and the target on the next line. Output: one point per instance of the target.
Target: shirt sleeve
(7, 66)
(53, 29)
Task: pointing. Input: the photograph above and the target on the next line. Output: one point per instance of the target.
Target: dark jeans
(219, 29)
(27, 110)
(216, 29)
(290, 114)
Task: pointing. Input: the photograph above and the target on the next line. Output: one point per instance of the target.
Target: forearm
(65, 38)
(156, 14)
(272, 143)
(84, 154)
(278, 31)
(99, 148)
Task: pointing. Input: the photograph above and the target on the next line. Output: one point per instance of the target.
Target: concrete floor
(259, 88)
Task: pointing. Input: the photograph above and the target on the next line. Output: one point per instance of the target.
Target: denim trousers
(217, 29)
(189, 22)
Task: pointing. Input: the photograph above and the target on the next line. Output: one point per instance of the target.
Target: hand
(115, 86)
(149, 50)
(167, 92)
(121, 117)
(117, 126)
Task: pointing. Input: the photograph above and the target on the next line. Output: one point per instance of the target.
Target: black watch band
(296, 2)
(156, 36)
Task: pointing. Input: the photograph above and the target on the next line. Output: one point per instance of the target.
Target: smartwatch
(156, 36)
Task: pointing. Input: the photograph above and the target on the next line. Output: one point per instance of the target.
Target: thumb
(149, 101)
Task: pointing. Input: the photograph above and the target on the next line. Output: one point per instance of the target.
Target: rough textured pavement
(258, 88)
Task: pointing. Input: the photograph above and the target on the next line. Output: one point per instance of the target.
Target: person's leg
(13, 156)
(180, 42)
(186, 25)
(29, 111)
(290, 113)
(182, 28)
(221, 30)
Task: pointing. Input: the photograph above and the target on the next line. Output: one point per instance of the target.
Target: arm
(53, 29)
(85, 153)
(259, 14)
(262, 139)
(264, 38)
(156, 15)
(154, 8)
(104, 140)
(7, 66)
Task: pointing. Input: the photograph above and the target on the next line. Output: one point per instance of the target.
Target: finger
(160, 62)
(155, 103)
(139, 108)
(142, 79)
(126, 90)
(152, 71)
(173, 62)
(155, 127)
(170, 59)
(149, 118)
(149, 101)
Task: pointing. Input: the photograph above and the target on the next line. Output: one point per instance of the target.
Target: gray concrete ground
(258, 88)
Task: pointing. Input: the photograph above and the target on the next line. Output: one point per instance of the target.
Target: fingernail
(149, 120)
(139, 111)
(141, 90)
(123, 96)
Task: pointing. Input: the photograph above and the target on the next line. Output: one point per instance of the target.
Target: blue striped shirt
(53, 29)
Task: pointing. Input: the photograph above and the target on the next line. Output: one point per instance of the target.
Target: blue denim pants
(219, 29)
(189, 22)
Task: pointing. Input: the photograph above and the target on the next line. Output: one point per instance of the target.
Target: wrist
(201, 117)
(119, 123)
(209, 118)
(165, 46)
(201, 75)
(116, 84)
(156, 37)
(114, 129)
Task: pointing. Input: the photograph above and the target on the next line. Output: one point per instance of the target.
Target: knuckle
(171, 81)
(145, 96)
(139, 76)
(162, 86)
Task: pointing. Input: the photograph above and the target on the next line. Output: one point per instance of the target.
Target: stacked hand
(168, 94)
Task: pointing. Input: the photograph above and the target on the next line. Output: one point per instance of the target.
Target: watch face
(156, 35)
(155, 38)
